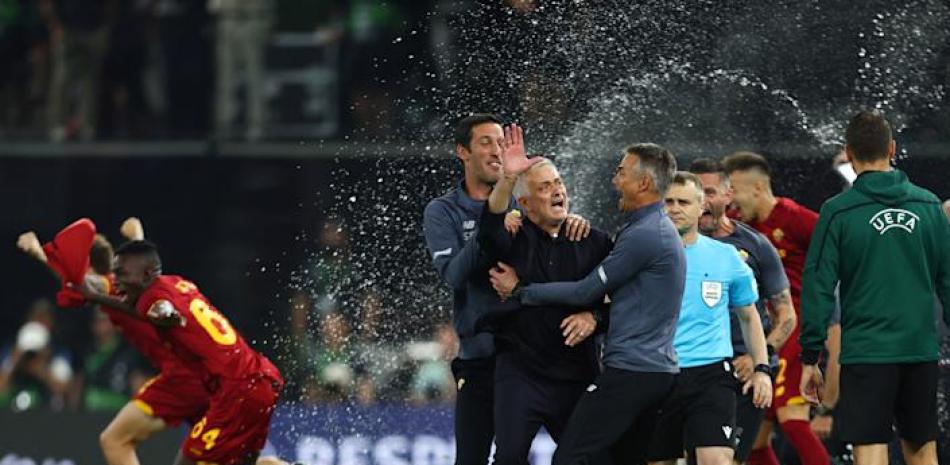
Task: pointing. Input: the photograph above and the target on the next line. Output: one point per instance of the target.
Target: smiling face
(482, 157)
(684, 205)
(545, 200)
(133, 274)
(629, 182)
(718, 196)
(748, 187)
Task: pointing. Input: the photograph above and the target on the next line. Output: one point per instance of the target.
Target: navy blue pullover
(450, 225)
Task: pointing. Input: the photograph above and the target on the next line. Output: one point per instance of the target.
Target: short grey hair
(656, 161)
(521, 186)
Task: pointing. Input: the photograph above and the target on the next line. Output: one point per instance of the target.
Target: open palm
(514, 157)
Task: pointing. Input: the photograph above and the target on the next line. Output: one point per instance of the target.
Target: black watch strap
(810, 357)
(763, 368)
(516, 292)
(824, 411)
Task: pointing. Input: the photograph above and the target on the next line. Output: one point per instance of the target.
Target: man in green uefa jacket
(888, 242)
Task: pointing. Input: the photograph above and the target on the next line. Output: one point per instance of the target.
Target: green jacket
(888, 242)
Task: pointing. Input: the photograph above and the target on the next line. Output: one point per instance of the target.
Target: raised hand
(29, 243)
(132, 229)
(513, 222)
(514, 157)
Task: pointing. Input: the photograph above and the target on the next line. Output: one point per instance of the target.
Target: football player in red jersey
(246, 385)
(177, 394)
(788, 226)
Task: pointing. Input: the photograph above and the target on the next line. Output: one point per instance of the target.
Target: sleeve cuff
(744, 303)
(810, 357)
(525, 296)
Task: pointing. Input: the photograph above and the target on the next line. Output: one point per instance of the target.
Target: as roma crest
(778, 234)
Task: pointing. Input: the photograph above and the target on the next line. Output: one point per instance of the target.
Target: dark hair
(656, 160)
(868, 136)
(463, 129)
(100, 255)
(141, 248)
(705, 166)
(709, 166)
(745, 161)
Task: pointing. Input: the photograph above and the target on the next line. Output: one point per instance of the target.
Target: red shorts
(236, 424)
(787, 387)
(174, 397)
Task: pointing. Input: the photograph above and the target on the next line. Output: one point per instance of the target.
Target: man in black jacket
(545, 355)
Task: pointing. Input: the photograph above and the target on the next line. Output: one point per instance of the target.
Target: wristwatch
(763, 368)
(516, 292)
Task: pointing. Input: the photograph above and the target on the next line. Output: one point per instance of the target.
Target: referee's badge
(712, 293)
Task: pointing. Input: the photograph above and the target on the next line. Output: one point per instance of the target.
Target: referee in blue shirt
(778, 318)
(700, 413)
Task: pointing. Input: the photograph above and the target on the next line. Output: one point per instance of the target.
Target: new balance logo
(888, 219)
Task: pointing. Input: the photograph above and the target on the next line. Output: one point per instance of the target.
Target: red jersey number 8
(213, 323)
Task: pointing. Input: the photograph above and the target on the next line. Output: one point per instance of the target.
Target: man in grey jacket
(644, 276)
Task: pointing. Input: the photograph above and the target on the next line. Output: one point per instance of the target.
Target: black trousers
(615, 415)
(524, 401)
(474, 408)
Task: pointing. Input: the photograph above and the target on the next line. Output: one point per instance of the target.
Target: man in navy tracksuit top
(545, 355)
(450, 225)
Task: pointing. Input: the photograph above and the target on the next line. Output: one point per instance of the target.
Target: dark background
(243, 228)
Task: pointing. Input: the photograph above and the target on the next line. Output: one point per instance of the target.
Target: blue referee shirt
(717, 280)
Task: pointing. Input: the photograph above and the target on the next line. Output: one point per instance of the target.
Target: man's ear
(462, 153)
(849, 154)
(649, 184)
(523, 201)
(729, 193)
(762, 184)
(891, 150)
(153, 272)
